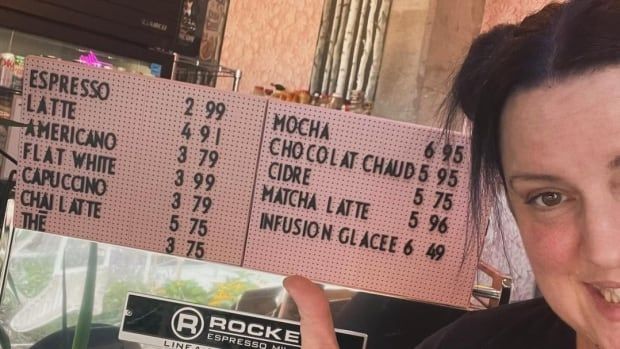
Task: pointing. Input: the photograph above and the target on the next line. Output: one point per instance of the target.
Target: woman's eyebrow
(533, 177)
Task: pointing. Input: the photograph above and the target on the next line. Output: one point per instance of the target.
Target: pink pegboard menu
(147, 163)
(361, 201)
(181, 169)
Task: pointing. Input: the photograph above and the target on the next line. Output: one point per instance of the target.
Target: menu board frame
(354, 200)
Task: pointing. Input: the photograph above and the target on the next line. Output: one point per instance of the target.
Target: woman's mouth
(611, 295)
(606, 300)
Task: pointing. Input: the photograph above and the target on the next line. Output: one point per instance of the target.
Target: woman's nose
(600, 238)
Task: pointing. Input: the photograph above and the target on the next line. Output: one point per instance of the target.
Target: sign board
(169, 323)
(176, 168)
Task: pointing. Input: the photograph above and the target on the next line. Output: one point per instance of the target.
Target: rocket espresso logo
(170, 324)
(188, 324)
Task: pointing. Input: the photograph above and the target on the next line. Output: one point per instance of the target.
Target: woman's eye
(548, 199)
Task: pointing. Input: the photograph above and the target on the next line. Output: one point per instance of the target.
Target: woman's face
(560, 147)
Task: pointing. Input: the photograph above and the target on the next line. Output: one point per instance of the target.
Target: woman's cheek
(550, 247)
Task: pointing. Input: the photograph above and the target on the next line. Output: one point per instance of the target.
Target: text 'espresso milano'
(63, 180)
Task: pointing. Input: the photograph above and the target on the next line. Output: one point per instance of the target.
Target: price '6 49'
(435, 251)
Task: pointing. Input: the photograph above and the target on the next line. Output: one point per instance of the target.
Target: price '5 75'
(443, 199)
(198, 226)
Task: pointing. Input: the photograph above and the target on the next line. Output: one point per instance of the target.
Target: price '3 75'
(194, 248)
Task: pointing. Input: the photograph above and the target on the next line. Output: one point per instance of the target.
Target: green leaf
(11, 123)
(82, 328)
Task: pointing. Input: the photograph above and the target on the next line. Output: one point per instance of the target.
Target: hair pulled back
(559, 41)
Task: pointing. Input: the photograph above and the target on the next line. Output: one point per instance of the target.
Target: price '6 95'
(449, 152)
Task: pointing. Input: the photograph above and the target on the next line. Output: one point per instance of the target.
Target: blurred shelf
(7, 90)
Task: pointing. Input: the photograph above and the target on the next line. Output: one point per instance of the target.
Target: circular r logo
(187, 323)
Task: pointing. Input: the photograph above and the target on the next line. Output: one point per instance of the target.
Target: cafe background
(270, 45)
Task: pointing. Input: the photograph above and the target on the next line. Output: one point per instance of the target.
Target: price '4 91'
(205, 132)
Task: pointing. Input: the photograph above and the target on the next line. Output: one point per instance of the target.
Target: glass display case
(46, 283)
(21, 45)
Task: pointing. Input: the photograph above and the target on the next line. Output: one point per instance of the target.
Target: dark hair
(561, 40)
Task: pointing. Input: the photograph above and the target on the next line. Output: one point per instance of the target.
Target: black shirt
(529, 324)
(393, 323)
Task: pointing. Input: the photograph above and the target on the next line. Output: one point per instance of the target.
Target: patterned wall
(271, 41)
(509, 11)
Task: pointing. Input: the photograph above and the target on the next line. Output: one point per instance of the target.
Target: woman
(544, 100)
